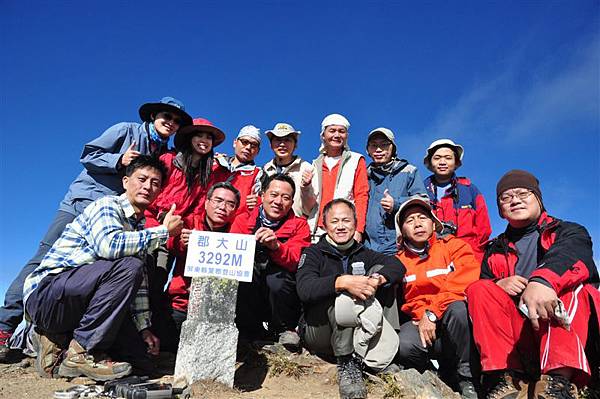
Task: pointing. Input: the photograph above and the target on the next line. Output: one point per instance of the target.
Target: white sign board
(223, 255)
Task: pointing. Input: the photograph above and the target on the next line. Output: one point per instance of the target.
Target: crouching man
(92, 284)
(438, 270)
(532, 307)
(338, 279)
(280, 237)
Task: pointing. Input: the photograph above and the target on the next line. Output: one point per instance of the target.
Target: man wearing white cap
(391, 182)
(339, 173)
(438, 270)
(245, 175)
(284, 141)
(455, 200)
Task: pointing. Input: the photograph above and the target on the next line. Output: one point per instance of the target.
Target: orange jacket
(439, 279)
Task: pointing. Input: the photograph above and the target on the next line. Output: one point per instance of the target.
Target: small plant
(279, 364)
(391, 389)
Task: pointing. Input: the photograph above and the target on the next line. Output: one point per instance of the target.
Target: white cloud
(525, 100)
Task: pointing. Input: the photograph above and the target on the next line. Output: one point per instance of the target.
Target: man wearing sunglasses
(222, 201)
(535, 299)
(245, 175)
(104, 160)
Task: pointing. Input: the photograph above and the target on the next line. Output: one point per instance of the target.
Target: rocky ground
(265, 375)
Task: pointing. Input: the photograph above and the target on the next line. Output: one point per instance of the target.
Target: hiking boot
(79, 362)
(554, 386)
(350, 379)
(467, 389)
(48, 354)
(290, 340)
(4, 348)
(508, 387)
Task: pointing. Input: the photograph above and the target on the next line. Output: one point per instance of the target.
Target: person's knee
(480, 289)
(132, 266)
(457, 310)
(410, 349)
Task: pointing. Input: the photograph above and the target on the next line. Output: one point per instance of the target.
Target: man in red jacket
(280, 237)
(531, 309)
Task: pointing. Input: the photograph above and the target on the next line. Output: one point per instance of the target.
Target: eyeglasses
(245, 143)
(505, 198)
(217, 202)
(170, 117)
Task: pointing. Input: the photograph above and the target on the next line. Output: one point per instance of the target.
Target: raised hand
(129, 155)
(173, 222)
(387, 202)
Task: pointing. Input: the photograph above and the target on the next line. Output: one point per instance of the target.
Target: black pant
(322, 335)
(92, 302)
(452, 347)
(271, 297)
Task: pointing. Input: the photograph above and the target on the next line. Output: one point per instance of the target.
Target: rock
(208, 342)
(410, 384)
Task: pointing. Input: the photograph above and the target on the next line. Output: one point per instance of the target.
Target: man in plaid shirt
(94, 279)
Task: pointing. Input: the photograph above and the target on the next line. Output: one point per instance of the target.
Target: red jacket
(178, 290)
(293, 236)
(175, 191)
(565, 257)
(464, 207)
(246, 178)
(434, 282)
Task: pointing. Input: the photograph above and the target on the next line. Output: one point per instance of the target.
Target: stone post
(208, 342)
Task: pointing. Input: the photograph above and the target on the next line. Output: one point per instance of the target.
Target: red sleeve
(151, 213)
(288, 253)
(482, 221)
(240, 224)
(361, 194)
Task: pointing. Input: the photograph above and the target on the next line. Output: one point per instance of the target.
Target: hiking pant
(452, 346)
(507, 341)
(92, 301)
(11, 314)
(321, 333)
(270, 297)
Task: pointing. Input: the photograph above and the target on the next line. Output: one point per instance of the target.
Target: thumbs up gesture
(307, 176)
(129, 155)
(173, 222)
(387, 202)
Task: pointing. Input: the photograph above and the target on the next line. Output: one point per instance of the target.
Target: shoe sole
(71, 372)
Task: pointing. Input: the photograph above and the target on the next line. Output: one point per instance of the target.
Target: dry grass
(282, 365)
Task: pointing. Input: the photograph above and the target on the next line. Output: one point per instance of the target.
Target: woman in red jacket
(191, 172)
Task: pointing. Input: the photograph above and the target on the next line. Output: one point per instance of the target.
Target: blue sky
(517, 83)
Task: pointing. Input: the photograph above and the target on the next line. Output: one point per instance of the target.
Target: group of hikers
(363, 264)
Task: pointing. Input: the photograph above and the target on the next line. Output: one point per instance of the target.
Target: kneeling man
(92, 284)
(438, 270)
(532, 307)
(339, 271)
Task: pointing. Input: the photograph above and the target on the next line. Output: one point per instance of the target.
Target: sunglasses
(170, 117)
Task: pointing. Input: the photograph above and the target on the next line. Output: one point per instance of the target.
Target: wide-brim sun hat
(166, 104)
(282, 129)
(457, 148)
(199, 125)
(423, 203)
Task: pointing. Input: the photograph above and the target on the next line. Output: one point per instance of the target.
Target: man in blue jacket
(104, 160)
(391, 182)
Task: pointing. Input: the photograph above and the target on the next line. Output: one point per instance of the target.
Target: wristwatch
(431, 316)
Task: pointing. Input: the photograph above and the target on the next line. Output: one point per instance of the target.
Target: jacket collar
(324, 246)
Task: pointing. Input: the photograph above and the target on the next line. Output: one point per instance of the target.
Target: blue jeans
(11, 313)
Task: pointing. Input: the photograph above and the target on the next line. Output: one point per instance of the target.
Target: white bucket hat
(281, 130)
(375, 340)
(457, 148)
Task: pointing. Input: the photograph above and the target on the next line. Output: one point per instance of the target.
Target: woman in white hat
(456, 200)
